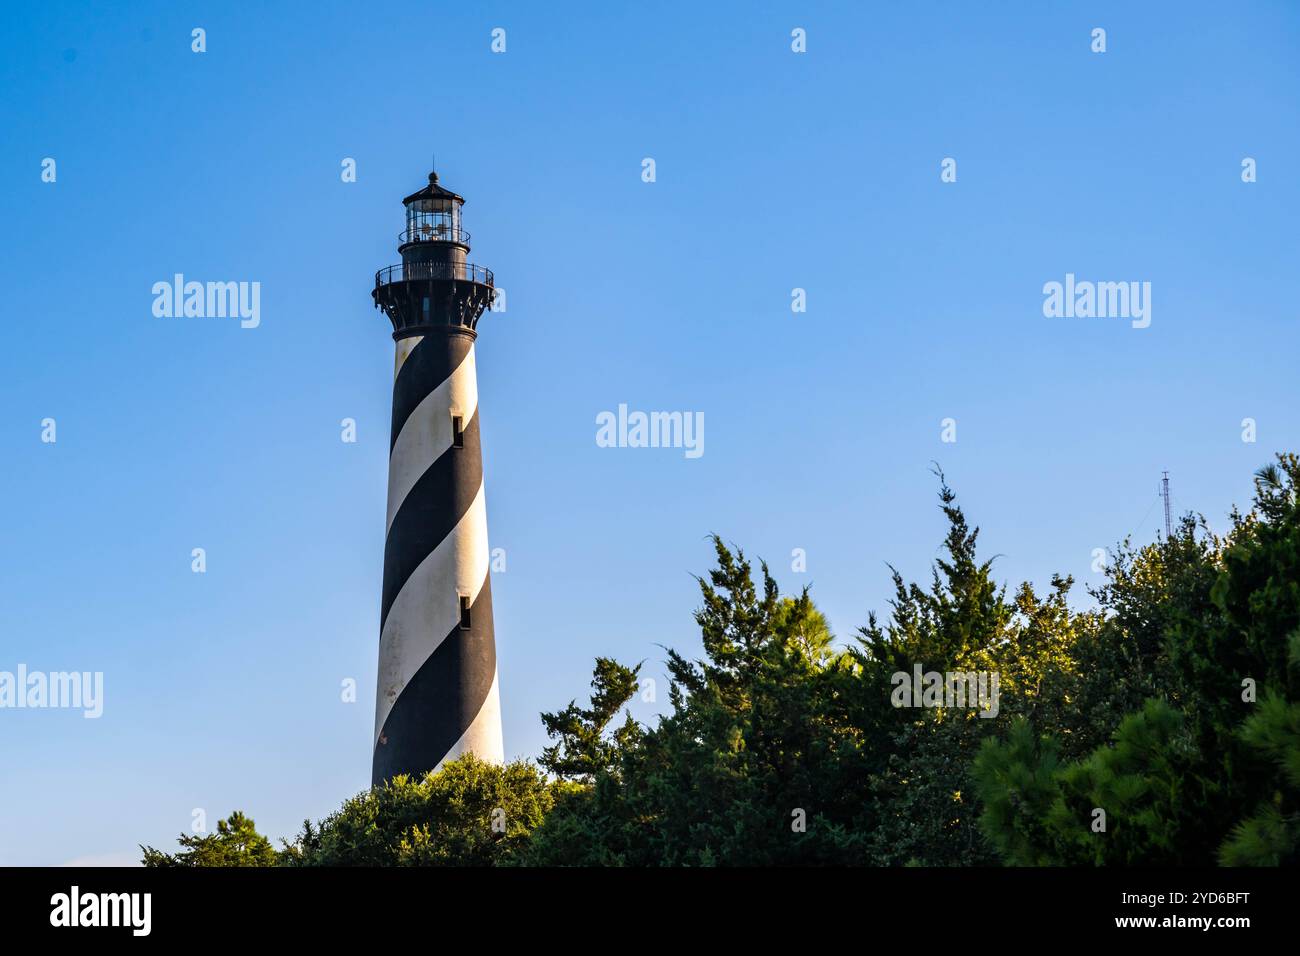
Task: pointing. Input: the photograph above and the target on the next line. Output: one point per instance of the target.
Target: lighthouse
(438, 696)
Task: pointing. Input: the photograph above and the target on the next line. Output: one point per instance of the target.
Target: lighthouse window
(426, 309)
(464, 612)
(457, 432)
(432, 219)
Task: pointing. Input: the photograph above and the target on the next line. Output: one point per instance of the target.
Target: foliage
(236, 843)
(1159, 727)
(782, 749)
(469, 813)
(1201, 627)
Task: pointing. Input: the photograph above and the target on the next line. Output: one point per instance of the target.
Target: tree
(1202, 624)
(469, 813)
(1161, 727)
(782, 748)
(749, 766)
(584, 750)
(1259, 594)
(236, 843)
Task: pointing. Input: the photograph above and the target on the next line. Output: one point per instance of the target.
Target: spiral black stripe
(430, 511)
(442, 700)
(437, 691)
(430, 364)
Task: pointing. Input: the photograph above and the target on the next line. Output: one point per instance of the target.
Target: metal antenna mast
(1164, 491)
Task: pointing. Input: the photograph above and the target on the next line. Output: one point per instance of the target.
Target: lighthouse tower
(438, 695)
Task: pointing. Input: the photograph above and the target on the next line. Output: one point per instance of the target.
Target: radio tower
(1164, 491)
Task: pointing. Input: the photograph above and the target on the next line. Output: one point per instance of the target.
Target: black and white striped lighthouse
(438, 695)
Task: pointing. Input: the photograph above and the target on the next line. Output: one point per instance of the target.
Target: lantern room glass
(433, 219)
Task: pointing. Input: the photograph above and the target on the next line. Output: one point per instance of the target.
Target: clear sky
(774, 171)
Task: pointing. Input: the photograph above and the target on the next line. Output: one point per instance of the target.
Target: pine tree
(236, 843)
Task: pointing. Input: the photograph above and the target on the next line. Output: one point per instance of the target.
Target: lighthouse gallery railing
(414, 271)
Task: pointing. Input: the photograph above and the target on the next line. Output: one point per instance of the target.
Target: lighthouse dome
(434, 191)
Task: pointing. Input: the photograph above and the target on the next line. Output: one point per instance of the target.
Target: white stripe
(483, 736)
(404, 349)
(427, 433)
(427, 608)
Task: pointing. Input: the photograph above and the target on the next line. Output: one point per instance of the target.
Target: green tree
(1172, 706)
(236, 843)
(469, 813)
(781, 748)
(1259, 594)
(925, 798)
(1198, 626)
(586, 750)
(749, 766)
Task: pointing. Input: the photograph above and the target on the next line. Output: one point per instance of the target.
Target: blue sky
(775, 170)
